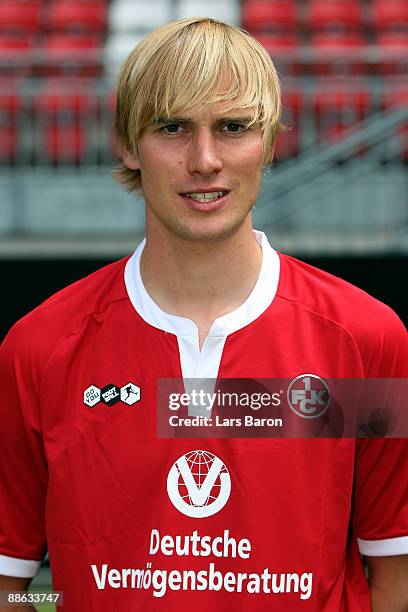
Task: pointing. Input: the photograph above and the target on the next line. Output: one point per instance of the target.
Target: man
(135, 521)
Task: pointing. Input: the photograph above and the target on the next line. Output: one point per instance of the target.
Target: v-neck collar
(257, 302)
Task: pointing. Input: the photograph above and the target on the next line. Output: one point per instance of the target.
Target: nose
(204, 156)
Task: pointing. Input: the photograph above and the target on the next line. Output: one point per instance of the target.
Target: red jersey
(135, 522)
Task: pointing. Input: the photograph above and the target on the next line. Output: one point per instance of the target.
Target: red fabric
(105, 471)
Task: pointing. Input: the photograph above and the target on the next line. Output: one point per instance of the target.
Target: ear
(131, 160)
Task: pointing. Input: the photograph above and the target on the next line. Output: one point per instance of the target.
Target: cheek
(248, 159)
(248, 166)
(161, 163)
(152, 155)
(148, 158)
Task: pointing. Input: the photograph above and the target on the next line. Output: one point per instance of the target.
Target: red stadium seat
(329, 14)
(394, 53)
(278, 43)
(15, 43)
(65, 95)
(15, 55)
(340, 53)
(20, 16)
(284, 50)
(10, 105)
(338, 109)
(110, 108)
(63, 110)
(71, 16)
(287, 144)
(8, 142)
(396, 96)
(111, 102)
(261, 15)
(64, 143)
(390, 14)
(339, 98)
(66, 54)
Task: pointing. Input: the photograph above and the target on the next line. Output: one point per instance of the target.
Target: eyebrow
(164, 120)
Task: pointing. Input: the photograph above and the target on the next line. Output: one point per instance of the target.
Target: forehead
(214, 111)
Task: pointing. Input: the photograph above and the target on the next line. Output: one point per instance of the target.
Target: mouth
(205, 200)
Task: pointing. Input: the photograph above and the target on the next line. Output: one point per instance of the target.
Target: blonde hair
(185, 65)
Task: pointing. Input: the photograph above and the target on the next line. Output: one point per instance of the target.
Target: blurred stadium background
(336, 195)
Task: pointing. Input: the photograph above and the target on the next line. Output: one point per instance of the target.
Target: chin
(211, 234)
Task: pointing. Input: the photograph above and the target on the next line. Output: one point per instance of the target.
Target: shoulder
(62, 314)
(373, 326)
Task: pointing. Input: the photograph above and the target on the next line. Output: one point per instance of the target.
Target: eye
(171, 128)
(235, 128)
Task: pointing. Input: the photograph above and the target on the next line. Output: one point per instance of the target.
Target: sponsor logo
(92, 396)
(308, 396)
(199, 484)
(112, 394)
(130, 393)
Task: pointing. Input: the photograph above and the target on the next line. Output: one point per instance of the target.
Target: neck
(200, 281)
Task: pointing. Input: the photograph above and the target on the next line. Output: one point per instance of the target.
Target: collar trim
(257, 302)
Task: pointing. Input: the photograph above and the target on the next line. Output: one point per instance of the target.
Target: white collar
(257, 302)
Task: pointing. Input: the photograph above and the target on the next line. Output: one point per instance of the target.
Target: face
(200, 173)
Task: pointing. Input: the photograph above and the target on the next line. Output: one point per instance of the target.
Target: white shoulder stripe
(383, 548)
(19, 568)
